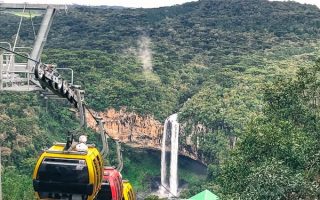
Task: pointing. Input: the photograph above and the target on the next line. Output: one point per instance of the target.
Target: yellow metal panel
(127, 189)
(89, 157)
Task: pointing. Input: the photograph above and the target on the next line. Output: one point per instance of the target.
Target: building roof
(205, 195)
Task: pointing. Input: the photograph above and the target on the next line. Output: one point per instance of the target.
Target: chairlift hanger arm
(53, 81)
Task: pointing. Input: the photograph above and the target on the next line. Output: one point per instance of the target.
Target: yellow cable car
(128, 193)
(68, 174)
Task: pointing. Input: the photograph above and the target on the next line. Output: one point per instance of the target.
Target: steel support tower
(19, 76)
(32, 74)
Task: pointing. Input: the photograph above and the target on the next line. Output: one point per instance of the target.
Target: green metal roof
(204, 195)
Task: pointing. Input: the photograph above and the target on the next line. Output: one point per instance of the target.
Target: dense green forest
(244, 69)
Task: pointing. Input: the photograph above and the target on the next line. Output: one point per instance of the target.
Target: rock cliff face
(130, 128)
(137, 131)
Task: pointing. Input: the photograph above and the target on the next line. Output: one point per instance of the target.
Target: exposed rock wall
(130, 128)
(137, 131)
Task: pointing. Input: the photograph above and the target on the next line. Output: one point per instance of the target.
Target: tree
(276, 156)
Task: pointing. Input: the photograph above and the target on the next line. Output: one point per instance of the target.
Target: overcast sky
(127, 3)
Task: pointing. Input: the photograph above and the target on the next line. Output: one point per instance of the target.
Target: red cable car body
(111, 187)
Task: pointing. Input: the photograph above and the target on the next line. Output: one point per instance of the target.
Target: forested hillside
(243, 69)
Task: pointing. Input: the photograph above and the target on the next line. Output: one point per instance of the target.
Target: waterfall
(171, 124)
(163, 160)
(174, 155)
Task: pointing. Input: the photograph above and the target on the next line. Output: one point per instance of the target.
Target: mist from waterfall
(171, 124)
(145, 53)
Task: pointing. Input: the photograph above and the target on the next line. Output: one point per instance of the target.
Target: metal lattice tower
(16, 76)
(33, 74)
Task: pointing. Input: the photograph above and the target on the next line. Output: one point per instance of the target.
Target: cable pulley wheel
(39, 73)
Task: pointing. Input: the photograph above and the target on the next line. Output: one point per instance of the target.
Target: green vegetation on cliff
(277, 157)
(223, 64)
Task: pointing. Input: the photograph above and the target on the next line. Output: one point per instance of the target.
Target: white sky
(126, 3)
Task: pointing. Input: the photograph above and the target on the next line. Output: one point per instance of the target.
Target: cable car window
(96, 176)
(99, 168)
(63, 170)
(100, 163)
(130, 194)
(97, 171)
(118, 186)
(47, 195)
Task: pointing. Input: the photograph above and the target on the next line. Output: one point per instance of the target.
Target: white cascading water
(173, 121)
(174, 155)
(163, 160)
